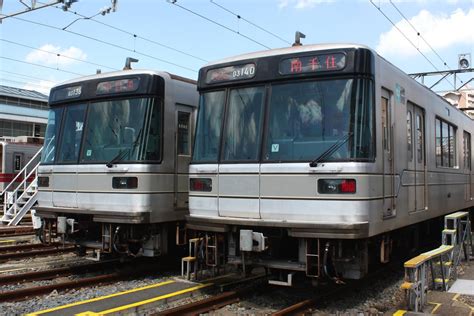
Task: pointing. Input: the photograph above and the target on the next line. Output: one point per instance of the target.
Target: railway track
(16, 231)
(32, 250)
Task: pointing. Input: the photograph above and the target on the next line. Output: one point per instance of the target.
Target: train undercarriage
(108, 239)
(287, 258)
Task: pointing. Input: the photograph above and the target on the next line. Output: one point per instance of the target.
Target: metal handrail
(25, 189)
(21, 171)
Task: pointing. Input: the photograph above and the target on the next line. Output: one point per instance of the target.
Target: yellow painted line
(400, 312)
(7, 241)
(100, 298)
(151, 300)
(437, 305)
(455, 298)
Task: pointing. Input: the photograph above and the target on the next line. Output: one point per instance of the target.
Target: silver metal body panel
(285, 194)
(162, 192)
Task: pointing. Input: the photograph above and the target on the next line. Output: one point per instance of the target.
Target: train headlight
(337, 186)
(43, 182)
(124, 182)
(200, 184)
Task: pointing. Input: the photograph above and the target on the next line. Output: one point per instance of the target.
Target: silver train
(114, 169)
(320, 160)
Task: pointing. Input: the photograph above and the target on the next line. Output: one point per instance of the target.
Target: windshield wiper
(331, 150)
(122, 153)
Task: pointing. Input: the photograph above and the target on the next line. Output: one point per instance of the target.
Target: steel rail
(16, 231)
(35, 253)
(23, 247)
(203, 306)
(54, 273)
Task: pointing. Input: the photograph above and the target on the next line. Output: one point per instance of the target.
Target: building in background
(22, 112)
(463, 99)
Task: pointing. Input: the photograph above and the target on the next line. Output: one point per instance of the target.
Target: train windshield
(125, 130)
(304, 119)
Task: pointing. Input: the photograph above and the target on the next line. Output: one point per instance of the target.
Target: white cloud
(302, 4)
(42, 86)
(48, 54)
(440, 31)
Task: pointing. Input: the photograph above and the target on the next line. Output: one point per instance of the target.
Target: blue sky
(447, 26)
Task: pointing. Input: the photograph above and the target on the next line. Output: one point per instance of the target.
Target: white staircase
(21, 193)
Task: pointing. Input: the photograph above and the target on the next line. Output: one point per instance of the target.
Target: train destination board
(230, 73)
(314, 63)
(118, 86)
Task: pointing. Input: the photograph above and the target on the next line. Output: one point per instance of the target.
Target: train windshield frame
(303, 118)
(122, 130)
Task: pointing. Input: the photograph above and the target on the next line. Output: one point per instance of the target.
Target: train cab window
(409, 136)
(72, 133)
(385, 124)
(445, 144)
(208, 130)
(243, 124)
(51, 136)
(154, 143)
(467, 150)
(115, 131)
(183, 133)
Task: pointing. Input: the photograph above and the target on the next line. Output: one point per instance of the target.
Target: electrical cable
(107, 43)
(57, 54)
(131, 34)
(26, 76)
(43, 66)
(217, 23)
(403, 34)
(249, 22)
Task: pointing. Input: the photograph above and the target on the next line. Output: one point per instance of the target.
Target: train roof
(289, 50)
(106, 75)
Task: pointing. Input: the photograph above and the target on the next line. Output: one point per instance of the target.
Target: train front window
(307, 118)
(51, 136)
(209, 126)
(72, 134)
(243, 124)
(116, 130)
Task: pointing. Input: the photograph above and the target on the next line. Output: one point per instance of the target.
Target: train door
(467, 165)
(388, 162)
(184, 130)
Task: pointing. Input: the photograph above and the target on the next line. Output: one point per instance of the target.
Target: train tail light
(337, 186)
(200, 184)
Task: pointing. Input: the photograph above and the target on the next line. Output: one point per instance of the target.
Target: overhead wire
(42, 66)
(406, 37)
(132, 34)
(57, 54)
(419, 34)
(249, 22)
(174, 2)
(21, 82)
(26, 76)
(107, 43)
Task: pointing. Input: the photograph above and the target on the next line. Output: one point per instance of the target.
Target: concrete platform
(459, 300)
(132, 301)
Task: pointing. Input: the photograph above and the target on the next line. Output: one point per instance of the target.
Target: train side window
(17, 162)
(467, 150)
(409, 136)
(445, 144)
(183, 133)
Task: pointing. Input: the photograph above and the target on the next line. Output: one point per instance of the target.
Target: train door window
(72, 133)
(452, 146)
(419, 138)
(17, 162)
(409, 136)
(1, 155)
(385, 123)
(467, 150)
(183, 133)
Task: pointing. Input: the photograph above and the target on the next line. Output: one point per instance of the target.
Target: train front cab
(114, 171)
(328, 203)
